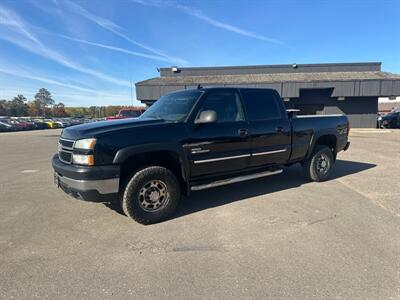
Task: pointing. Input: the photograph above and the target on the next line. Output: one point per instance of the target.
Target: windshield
(172, 107)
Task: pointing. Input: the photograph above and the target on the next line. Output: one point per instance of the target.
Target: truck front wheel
(151, 195)
(319, 166)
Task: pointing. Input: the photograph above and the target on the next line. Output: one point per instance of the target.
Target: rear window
(261, 105)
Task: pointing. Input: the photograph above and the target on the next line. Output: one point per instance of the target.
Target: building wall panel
(171, 88)
(395, 88)
(370, 88)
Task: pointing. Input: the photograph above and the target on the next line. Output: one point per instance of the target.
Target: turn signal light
(80, 159)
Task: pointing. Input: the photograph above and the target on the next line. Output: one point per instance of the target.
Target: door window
(226, 104)
(261, 105)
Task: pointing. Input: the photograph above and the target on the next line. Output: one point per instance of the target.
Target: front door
(222, 146)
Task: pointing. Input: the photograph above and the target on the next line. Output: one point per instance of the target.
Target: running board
(234, 179)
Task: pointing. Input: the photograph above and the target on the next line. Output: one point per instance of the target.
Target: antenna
(131, 93)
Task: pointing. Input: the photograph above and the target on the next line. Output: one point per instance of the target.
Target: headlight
(81, 159)
(85, 144)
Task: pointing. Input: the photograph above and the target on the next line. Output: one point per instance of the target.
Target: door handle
(279, 129)
(243, 132)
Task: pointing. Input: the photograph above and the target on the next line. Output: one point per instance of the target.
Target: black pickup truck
(192, 140)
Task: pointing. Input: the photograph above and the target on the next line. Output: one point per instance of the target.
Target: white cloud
(17, 72)
(25, 39)
(118, 49)
(119, 31)
(10, 19)
(202, 16)
(84, 92)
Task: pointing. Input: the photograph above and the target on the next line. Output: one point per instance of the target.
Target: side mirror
(206, 116)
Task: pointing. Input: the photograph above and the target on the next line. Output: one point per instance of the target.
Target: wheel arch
(168, 155)
(326, 138)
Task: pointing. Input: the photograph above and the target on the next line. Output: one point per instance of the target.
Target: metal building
(349, 88)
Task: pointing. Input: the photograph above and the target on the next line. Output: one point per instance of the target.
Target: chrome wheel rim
(153, 195)
(323, 164)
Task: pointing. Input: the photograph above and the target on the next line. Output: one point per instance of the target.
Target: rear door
(269, 127)
(223, 146)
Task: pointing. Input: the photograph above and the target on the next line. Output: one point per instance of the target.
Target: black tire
(313, 168)
(138, 202)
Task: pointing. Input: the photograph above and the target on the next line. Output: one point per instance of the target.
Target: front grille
(65, 156)
(66, 144)
(65, 148)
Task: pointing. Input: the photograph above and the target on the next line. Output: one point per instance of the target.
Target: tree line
(43, 105)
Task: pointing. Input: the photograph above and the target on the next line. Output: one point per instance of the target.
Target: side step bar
(234, 179)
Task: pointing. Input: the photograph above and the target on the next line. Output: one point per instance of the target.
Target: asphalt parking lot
(276, 237)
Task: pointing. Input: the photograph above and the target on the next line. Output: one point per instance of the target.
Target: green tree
(58, 110)
(43, 100)
(4, 108)
(18, 106)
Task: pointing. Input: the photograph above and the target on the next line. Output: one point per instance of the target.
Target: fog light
(80, 159)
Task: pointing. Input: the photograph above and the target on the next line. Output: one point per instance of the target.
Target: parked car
(4, 127)
(62, 123)
(193, 140)
(391, 120)
(39, 124)
(52, 124)
(127, 113)
(14, 124)
(26, 123)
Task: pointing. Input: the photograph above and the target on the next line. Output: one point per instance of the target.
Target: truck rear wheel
(319, 166)
(151, 195)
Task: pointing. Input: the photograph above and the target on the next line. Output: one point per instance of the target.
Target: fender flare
(316, 136)
(125, 153)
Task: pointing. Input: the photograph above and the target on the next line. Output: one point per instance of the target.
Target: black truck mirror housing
(206, 116)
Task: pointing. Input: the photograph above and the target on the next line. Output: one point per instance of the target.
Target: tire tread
(133, 211)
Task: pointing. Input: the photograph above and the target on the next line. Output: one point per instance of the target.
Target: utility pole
(131, 92)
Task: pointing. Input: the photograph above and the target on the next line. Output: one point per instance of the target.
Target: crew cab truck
(192, 140)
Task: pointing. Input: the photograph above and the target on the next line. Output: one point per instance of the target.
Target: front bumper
(96, 183)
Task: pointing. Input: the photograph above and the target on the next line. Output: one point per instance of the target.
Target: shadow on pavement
(291, 177)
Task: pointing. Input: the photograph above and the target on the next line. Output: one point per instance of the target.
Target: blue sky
(87, 52)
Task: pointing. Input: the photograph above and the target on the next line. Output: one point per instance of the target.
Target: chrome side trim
(220, 158)
(104, 186)
(235, 179)
(269, 152)
(199, 150)
(320, 116)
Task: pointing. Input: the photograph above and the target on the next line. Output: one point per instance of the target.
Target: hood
(389, 116)
(94, 129)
